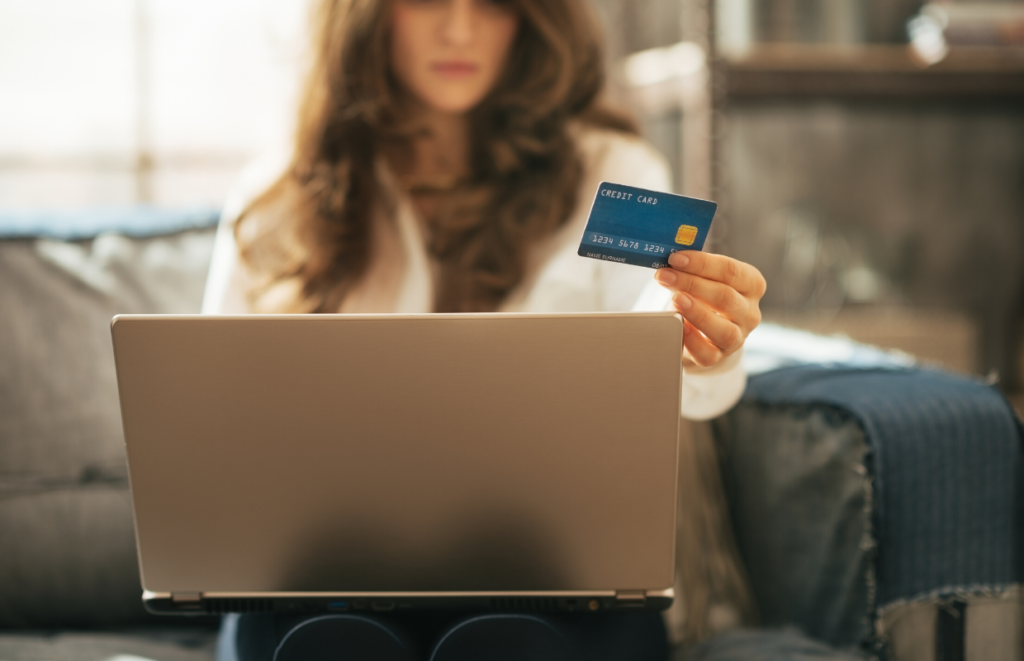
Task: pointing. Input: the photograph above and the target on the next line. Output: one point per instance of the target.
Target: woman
(445, 157)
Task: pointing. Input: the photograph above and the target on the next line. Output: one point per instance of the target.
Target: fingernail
(665, 276)
(679, 260)
(682, 301)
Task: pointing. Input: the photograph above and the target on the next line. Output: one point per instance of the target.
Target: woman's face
(450, 53)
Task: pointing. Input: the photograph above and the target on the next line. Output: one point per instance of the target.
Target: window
(122, 102)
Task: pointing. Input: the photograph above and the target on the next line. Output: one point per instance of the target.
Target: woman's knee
(334, 637)
(506, 637)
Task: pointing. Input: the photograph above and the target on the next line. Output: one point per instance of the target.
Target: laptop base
(198, 604)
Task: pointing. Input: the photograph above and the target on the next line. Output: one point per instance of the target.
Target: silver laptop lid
(402, 455)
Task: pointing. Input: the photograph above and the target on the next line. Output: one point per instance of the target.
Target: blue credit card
(642, 227)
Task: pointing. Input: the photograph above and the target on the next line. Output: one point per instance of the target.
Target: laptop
(331, 463)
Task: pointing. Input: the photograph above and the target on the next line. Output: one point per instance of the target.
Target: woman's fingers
(742, 277)
(701, 350)
(740, 310)
(724, 335)
(720, 297)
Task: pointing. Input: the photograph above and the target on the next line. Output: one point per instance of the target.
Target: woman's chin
(452, 99)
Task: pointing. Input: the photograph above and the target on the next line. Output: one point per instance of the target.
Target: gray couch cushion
(764, 645)
(178, 644)
(67, 543)
(801, 506)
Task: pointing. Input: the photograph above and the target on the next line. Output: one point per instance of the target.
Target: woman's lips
(454, 68)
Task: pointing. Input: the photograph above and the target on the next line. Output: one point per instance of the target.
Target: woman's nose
(458, 25)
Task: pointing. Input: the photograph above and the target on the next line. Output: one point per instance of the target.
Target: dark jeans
(445, 636)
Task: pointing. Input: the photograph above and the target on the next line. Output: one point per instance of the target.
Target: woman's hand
(718, 297)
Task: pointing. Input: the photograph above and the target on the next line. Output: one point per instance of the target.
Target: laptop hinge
(630, 597)
(187, 599)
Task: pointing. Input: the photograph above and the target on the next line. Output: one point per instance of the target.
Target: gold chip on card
(686, 235)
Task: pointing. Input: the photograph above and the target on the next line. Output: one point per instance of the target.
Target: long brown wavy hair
(307, 237)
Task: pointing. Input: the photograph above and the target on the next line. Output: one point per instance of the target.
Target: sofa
(877, 505)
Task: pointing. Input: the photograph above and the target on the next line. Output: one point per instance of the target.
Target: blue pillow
(142, 221)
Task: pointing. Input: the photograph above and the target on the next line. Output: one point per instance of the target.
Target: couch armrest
(854, 492)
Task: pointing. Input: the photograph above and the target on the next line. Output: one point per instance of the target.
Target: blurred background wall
(878, 184)
(117, 102)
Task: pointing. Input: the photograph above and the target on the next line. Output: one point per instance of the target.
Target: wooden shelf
(790, 70)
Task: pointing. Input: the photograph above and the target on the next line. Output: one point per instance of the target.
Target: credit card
(642, 227)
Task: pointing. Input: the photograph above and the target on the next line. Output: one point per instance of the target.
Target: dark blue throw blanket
(947, 464)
